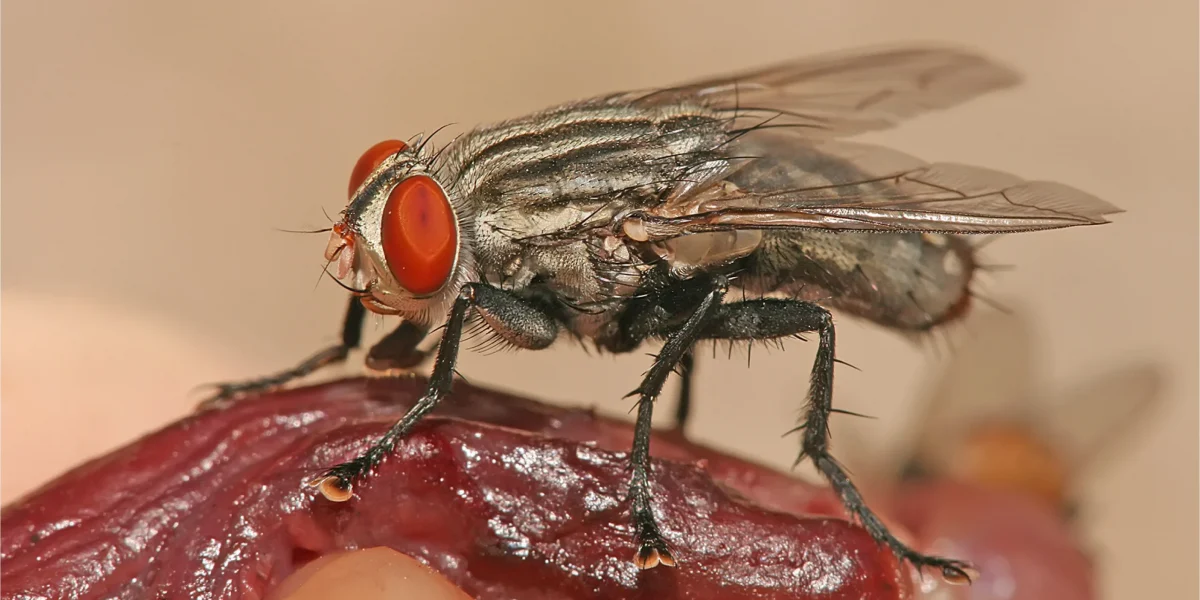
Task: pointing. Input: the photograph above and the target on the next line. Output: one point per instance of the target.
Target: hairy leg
(687, 369)
(776, 318)
(652, 549)
(510, 317)
(351, 338)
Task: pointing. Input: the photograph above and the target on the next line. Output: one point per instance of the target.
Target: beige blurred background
(151, 150)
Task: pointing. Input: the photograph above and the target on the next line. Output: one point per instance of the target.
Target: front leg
(398, 350)
(774, 318)
(351, 337)
(511, 317)
(652, 549)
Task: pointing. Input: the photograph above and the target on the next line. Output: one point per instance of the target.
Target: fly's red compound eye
(420, 235)
(371, 159)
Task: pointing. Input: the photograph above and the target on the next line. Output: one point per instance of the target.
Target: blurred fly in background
(988, 422)
(722, 209)
(990, 434)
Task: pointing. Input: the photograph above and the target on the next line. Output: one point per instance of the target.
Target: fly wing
(846, 93)
(778, 180)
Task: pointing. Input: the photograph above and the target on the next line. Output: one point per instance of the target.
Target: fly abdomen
(907, 281)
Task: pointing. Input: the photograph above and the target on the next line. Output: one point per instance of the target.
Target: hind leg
(774, 318)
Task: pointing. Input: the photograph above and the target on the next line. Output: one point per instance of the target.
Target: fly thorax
(687, 254)
(618, 266)
(567, 268)
(497, 252)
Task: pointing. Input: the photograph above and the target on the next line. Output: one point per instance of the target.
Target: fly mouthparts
(340, 249)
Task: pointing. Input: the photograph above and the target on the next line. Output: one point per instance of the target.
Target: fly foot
(652, 549)
(337, 484)
(955, 572)
(226, 394)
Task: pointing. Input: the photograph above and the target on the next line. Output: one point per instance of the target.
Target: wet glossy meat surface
(505, 496)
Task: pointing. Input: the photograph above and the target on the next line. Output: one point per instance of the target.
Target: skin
(370, 574)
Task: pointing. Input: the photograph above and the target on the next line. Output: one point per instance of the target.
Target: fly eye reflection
(370, 160)
(419, 235)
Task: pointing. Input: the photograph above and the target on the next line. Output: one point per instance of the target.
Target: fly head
(403, 242)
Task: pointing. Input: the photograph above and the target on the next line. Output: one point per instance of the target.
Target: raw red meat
(505, 496)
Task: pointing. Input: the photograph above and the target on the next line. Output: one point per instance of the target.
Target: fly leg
(399, 349)
(774, 318)
(511, 317)
(683, 407)
(652, 549)
(351, 338)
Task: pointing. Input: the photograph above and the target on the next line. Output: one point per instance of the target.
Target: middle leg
(652, 548)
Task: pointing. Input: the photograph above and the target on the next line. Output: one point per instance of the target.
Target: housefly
(728, 208)
(988, 421)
